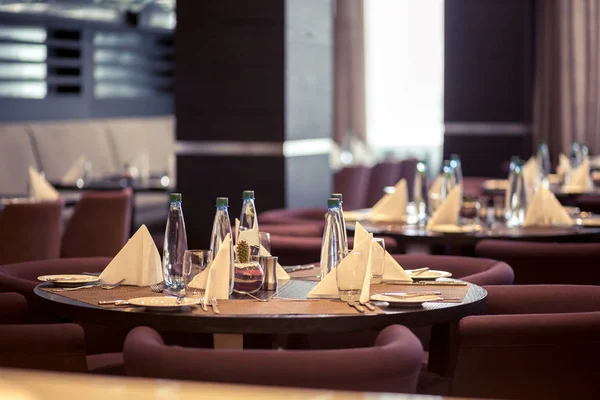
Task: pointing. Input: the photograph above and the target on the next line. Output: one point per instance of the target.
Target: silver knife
(113, 302)
(203, 304)
(356, 305)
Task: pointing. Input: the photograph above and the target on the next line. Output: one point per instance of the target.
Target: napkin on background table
(40, 188)
(138, 262)
(544, 208)
(392, 271)
(392, 206)
(219, 270)
(77, 171)
(447, 212)
(564, 165)
(281, 274)
(580, 176)
(327, 288)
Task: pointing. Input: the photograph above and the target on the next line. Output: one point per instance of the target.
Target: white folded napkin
(328, 289)
(281, 274)
(436, 186)
(77, 171)
(219, 272)
(138, 262)
(545, 209)
(40, 188)
(564, 165)
(392, 206)
(580, 176)
(392, 271)
(447, 212)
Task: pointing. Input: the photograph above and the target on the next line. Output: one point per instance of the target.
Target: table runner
(290, 298)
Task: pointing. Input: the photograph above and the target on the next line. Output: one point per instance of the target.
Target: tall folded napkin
(580, 176)
(219, 271)
(564, 165)
(392, 271)
(41, 189)
(281, 274)
(545, 209)
(77, 171)
(392, 206)
(436, 186)
(138, 262)
(447, 212)
(328, 289)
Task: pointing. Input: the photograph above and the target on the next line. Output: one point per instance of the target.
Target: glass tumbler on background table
(194, 263)
(350, 277)
(265, 240)
(378, 260)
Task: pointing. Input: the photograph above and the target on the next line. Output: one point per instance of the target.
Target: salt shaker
(269, 266)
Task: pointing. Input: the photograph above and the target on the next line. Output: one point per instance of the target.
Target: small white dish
(430, 275)
(409, 301)
(67, 280)
(163, 302)
(449, 228)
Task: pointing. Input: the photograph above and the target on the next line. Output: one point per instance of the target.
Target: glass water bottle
(175, 245)
(249, 221)
(222, 228)
(332, 248)
(517, 198)
(339, 196)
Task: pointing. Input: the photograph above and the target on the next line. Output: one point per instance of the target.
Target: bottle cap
(222, 202)
(333, 203)
(175, 197)
(248, 194)
(338, 196)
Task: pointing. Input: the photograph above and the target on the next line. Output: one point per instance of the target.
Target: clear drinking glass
(350, 277)
(517, 197)
(265, 240)
(194, 262)
(377, 261)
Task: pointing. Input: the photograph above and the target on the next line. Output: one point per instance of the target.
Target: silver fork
(105, 287)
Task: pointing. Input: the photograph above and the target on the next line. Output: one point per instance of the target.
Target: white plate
(449, 228)
(430, 275)
(163, 302)
(69, 280)
(405, 302)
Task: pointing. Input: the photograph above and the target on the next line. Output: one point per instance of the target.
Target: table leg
(442, 349)
(226, 341)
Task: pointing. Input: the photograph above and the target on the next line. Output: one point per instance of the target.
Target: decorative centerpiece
(248, 275)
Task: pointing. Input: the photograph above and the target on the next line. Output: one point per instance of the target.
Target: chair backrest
(99, 226)
(546, 263)
(383, 174)
(407, 170)
(353, 183)
(511, 354)
(60, 144)
(391, 365)
(153, 136)
(16, 156)
(13, 309)
(481, 271)
(30, 231)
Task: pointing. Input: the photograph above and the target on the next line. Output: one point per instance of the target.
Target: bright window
(404, 45)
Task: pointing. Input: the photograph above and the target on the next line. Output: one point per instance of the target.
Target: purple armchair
(382, 175)
(479, 271)
(99, 226)
(536, 342)
(30, 231)
(61, 347)
(391, 365)
(546, 263)
(353, 183)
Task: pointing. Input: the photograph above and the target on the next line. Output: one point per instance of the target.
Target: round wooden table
(193, 319)
(413, 234)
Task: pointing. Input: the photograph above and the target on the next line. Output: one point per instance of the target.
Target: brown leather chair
(99, 226)
(30, 231)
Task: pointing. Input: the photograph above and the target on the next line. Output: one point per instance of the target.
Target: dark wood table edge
(261, 324)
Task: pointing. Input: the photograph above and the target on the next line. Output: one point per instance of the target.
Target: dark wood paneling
(488, 60)
(202, 179)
